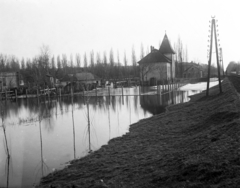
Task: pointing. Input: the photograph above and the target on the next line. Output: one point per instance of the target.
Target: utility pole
(221, 57)
(213, 32)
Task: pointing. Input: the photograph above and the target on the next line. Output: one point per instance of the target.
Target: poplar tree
(85, 60)
(78, 60)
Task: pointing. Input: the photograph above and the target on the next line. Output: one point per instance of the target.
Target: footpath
(194, 144)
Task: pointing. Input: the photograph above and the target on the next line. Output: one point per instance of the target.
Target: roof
(166, 47)
(154, 57)
(66, 78)
(83, 76)
(193, 66)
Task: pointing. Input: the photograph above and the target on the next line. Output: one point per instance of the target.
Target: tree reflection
(41, 166)
(3, 110)
(74, 141)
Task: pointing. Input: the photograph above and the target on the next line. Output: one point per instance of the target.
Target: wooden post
(218, 65)
(209, 61)
(109, 91)
(48, 94)
(16, 94)
(37, 93)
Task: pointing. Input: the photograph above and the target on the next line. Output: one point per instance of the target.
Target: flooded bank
(41, 136)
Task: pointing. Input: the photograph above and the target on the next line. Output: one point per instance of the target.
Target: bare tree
(118, 59)
(141, 51)
(78, 60)
(125, 59)
(23, 66)
(53, 63)
(134, 62)
(59, 64)
(186, 54)
(71, 61)
(111, 58)
(98, 58)
(92, 58)
(105, 58)
(64, 61)
(85, 60)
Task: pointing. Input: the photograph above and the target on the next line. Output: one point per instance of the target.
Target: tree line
(105, 66)
(35, 71)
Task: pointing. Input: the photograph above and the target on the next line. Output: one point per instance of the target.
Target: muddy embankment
(195, 144)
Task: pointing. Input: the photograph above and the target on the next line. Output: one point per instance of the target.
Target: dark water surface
(41, 136)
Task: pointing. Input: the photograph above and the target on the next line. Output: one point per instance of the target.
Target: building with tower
(158, 65)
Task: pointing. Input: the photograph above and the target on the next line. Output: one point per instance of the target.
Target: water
(42, 136)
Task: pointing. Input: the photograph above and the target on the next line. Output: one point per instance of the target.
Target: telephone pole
(221, 59)
(213, 32)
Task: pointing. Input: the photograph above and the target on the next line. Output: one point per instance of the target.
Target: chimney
(151, 49)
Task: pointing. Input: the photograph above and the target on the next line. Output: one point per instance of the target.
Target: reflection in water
(109, 124)
(74, 140)
(5, 145)
(89, 128)
(155, 104)
(42, 166)
(54, 121)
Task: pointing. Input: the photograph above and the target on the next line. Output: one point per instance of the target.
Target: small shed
(193, 71)
(9, 80)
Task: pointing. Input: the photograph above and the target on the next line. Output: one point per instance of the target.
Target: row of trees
(102, 65)
(181, 56)
(35, 70)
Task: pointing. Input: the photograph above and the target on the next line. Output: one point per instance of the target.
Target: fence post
(37, 93)
(16, 94)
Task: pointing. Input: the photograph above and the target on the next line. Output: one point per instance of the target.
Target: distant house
(158, 65)
(79, 81)
(193, 71)
(9, 80)
(54, 82)
(86, 79)
(67, 79)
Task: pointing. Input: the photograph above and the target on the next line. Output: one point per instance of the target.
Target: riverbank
(195, 144)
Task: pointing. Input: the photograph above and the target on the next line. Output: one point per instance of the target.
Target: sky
(79, 26)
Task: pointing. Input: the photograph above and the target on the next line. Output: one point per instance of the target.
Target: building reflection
(156, 104)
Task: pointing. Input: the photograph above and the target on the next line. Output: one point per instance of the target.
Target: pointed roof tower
(166, 47)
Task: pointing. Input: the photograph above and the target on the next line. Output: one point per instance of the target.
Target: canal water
(41, 136)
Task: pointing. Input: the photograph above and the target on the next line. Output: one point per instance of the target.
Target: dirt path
(195, 144)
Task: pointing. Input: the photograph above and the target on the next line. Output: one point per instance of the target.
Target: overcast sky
(79, 26)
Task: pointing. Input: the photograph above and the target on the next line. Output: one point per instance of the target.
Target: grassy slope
(194, 144)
